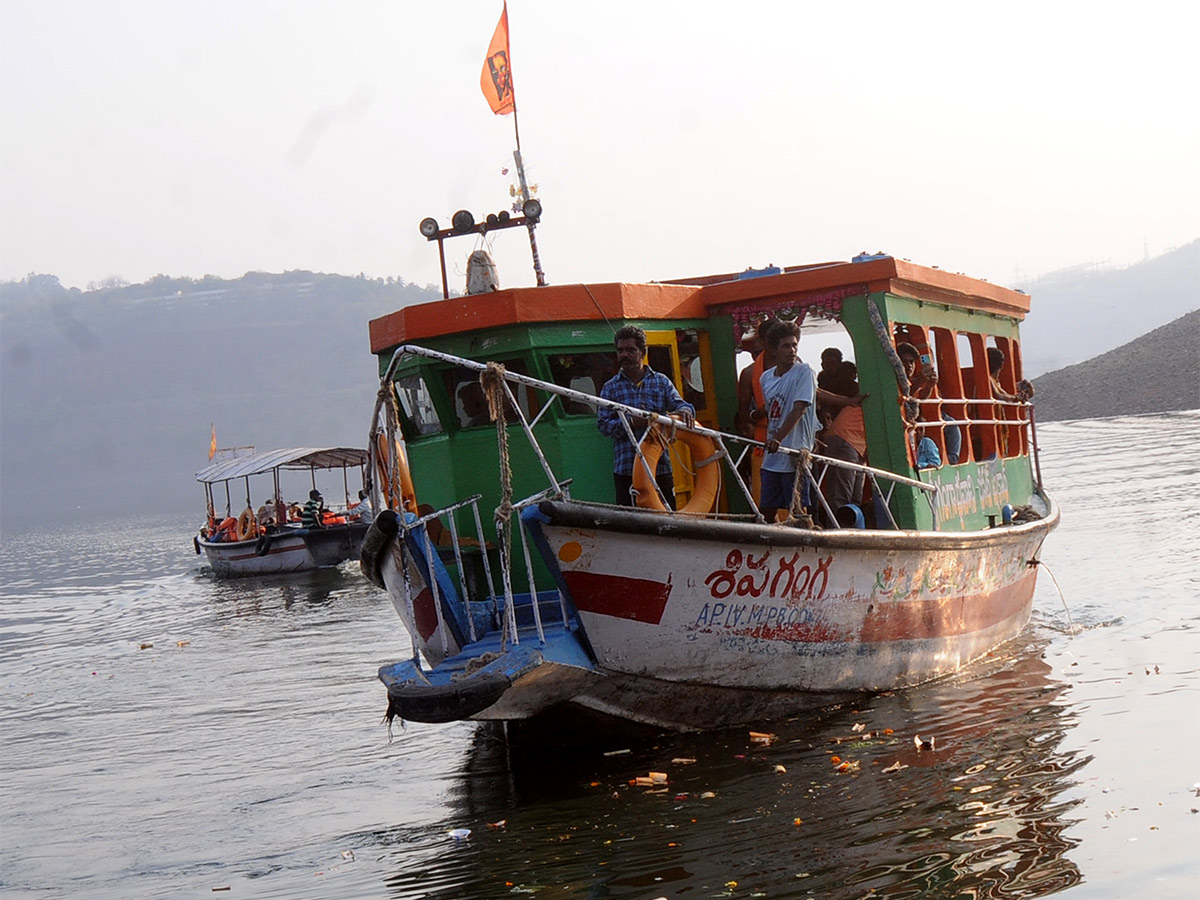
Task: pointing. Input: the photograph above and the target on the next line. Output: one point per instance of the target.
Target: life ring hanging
(708, 475)
(408, 496)
(247, 526)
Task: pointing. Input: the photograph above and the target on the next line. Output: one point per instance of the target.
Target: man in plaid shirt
(637, 385)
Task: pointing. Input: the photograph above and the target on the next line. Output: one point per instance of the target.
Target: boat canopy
(294, 458)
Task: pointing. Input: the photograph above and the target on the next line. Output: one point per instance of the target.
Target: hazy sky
(667, 139)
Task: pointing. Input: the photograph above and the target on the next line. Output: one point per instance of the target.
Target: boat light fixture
(429, 226)
(463, 221)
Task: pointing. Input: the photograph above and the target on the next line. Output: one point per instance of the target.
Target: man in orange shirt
(845, 439)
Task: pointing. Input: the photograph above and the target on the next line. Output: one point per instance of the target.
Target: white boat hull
(696, 625)
(288, 551)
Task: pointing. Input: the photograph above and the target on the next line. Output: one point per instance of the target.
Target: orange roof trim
(582, 302)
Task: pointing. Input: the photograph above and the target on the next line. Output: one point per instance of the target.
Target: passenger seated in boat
(226, 530)
(474, 405)
(636, 384)
(922, 381)
(831, 365)
(313, 510)
(294, 512)
(995, 365)
(266, 513)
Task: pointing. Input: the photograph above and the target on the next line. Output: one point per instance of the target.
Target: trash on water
(761, 737)
(348, 855)
(780, 770)
(682, 761)
(499, 824)
(459, 834)
(894, 767)
(617, 752)
(183, 643)
(923, 743)
(707, 795)
(858, 726)
(145, 646)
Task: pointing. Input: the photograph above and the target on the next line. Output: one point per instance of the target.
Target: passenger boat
(284, 545)
(531, 599)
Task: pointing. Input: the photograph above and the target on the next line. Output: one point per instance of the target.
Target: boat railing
(883, 482)
(419, 527)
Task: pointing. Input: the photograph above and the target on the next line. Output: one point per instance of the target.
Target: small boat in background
(278, 541)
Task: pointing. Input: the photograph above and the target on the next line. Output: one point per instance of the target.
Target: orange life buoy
(708, 474)
(247, 525)
(408, 496)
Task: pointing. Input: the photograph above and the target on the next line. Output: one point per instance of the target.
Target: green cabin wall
(884, 420)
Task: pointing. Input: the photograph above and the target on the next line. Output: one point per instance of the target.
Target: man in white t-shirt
(789, 390)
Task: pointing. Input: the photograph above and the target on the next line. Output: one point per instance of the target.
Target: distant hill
(1081, 312)
(107, 396)
(1156, 372)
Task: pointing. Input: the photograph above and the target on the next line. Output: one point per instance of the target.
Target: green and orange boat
(532, 599)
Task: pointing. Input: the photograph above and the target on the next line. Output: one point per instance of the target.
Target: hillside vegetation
(107, 397)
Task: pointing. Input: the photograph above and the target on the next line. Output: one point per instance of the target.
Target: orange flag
(496, 79)
(212, 446)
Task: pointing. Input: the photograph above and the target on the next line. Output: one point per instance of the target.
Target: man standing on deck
(790, 391)
(637, 385)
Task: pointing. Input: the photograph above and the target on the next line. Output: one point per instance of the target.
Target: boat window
(417, 405)
(470, 402)
(584, 372)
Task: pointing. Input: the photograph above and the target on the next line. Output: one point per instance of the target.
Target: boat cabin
(695, 328)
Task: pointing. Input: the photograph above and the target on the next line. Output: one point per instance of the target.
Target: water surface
(165, 734)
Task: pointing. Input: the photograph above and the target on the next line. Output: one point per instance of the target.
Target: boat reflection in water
(984, 814)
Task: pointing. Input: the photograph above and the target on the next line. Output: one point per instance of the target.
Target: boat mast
(537, 260)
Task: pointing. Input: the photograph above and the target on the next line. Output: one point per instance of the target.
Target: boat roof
(693, 298)
(291, 458)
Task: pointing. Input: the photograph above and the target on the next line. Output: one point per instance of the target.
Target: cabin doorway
(685, 356)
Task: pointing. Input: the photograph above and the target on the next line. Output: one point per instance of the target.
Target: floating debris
(145, 646)
(459, 834)
(894, 767)
(682, 761)
(761, 737)
(780, 770)
(923, 743)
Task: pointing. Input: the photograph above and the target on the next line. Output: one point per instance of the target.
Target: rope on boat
(911, 405)
(797, 514)
(492, 379)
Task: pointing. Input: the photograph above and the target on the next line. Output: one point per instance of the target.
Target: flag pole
(533, 247)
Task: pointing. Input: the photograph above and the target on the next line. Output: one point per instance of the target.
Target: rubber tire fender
(263, 547)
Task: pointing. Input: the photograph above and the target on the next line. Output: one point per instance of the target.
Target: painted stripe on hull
(636, 599)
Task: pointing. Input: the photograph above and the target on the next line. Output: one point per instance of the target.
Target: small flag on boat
(212, 445)
(496, 79)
